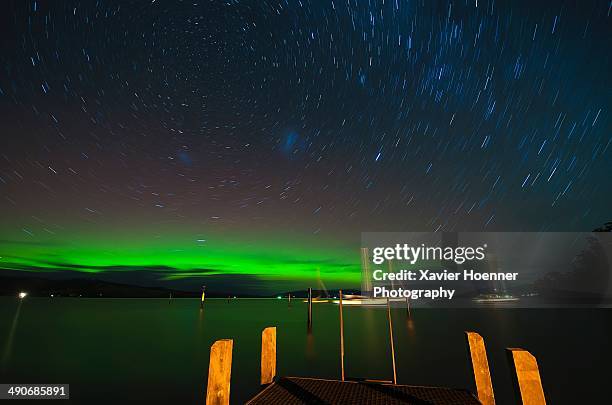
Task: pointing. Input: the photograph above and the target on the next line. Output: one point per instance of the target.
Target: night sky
(249, 143)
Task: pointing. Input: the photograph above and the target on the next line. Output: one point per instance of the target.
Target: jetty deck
(299, 390)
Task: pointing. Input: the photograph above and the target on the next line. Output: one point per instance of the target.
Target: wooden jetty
(299, 390)
(304, 390)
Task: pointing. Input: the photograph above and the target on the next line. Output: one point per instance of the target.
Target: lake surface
(126, 350)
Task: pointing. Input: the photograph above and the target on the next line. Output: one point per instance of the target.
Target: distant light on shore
(22, 295)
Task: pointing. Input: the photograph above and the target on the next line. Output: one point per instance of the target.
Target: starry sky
(249, 143)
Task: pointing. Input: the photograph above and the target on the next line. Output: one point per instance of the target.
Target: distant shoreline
(41, 287)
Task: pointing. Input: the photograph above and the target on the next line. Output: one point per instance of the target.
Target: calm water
(123, 350)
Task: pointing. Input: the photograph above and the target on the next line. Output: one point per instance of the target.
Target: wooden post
(408, 308)
(391, 340)
(526, 377)
(309, 308)
(480, 368)
(268, 355)
(219, 373)
(341, 338)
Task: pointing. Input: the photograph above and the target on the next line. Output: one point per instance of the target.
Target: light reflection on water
(8, 349)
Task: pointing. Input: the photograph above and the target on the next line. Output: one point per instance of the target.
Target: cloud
(48, 266)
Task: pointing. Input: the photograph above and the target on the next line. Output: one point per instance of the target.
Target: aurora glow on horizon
(176, 258)
(176, 142)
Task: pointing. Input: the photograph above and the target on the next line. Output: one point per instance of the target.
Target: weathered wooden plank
(480, 368)
(219, 373)
(526, 377)
(268, 355)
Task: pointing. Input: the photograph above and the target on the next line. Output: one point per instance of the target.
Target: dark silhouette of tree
(607, 227)
(589, 274)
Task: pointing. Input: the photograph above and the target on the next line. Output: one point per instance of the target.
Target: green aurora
(181, 257)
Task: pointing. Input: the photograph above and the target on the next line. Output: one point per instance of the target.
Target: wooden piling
(391, 340)
(341, 338)
(408, 308)
(268, 355)
(309, 308)
(526, 377)
(480, 368)
(219, 373)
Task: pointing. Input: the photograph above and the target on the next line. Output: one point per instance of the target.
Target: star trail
(261, 138)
